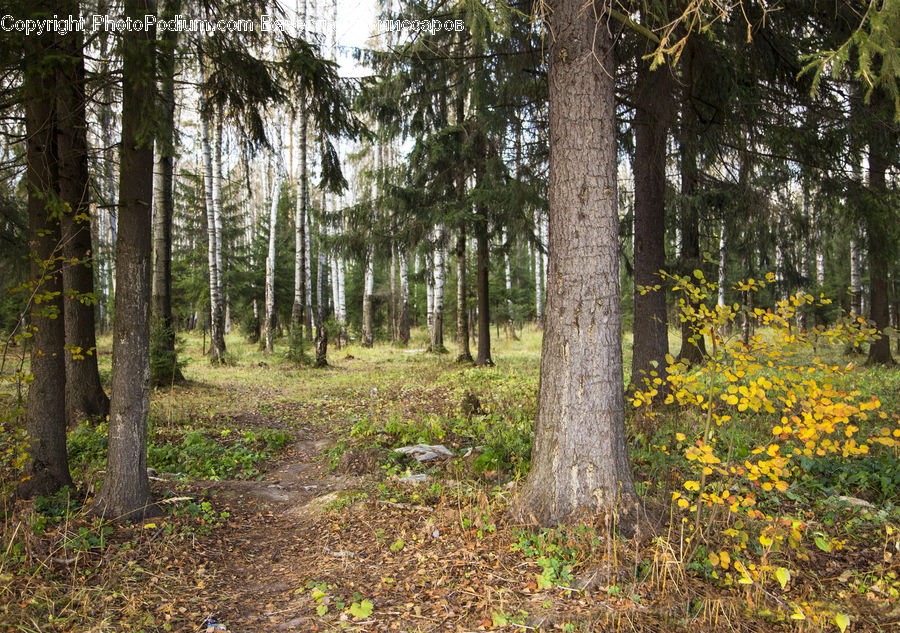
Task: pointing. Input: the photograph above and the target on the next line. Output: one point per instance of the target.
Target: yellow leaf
(783, 576)
(692, 485)
(680, 437)
(842, 621)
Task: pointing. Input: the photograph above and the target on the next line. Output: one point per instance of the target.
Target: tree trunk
(219, 314)
(580, 455)
(84, 394)
(403, 325)
(462, 315)
(269, 318)
(392, 307)
(882, 247)
(651, 330)
(692, 343)
(538, 267)
(368, 336)
(125, 493)
(47, 468)
(163, 357)
(483, 289)
(855, 275)
(437, 316)
(217, 340)
(429, 292)
(510, 317)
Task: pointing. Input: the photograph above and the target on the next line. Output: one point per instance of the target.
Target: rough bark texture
(881, 249)
(580, 457)
(84, 394)
(462, 314)
(47, 468)
(692, 343)
(651, 336)
(483, 290)
(125, 493)
(164, 358)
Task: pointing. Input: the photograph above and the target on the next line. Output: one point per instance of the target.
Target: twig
(406, 506)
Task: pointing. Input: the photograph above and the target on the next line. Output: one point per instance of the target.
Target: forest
(415, 315)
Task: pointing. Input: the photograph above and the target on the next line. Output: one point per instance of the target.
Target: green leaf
(842, 621)
(322, 609)
(361, 610)
(783, 576)
(822, 544)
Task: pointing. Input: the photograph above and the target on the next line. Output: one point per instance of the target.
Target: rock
(414, 480)
(856, 502)
(425, 452)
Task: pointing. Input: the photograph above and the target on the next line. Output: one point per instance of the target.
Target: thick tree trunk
(164, 359)
(651, 330)
(368, 335)
(84, 394)
(125, 493)
(403, 324)
(881, 248)
(483, 357)
(692, 343)
(47, 468)
(462, 314)
(580, 455)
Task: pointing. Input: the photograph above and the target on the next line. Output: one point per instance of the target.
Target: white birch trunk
(270, 257)
(368, 290)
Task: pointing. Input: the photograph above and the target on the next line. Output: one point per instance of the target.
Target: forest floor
(286, 509)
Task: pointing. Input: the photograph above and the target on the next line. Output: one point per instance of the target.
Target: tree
(84, 393)
(651, 123)
(47, 468)
(163, 357)
(580, 456)
(125, 492)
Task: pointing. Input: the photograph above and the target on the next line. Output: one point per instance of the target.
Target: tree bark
(84, 394)
(693, 345)
(47, 467)
(483, 357)
(510, 317)
(881, 247)
(538, 268)
(269, 318)
(368, 335)
(164, 358)
(403, 324)
(651, 330)
(125, 493)
(437, 316)
(580, 456)
(462, 314)
(217, 338)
